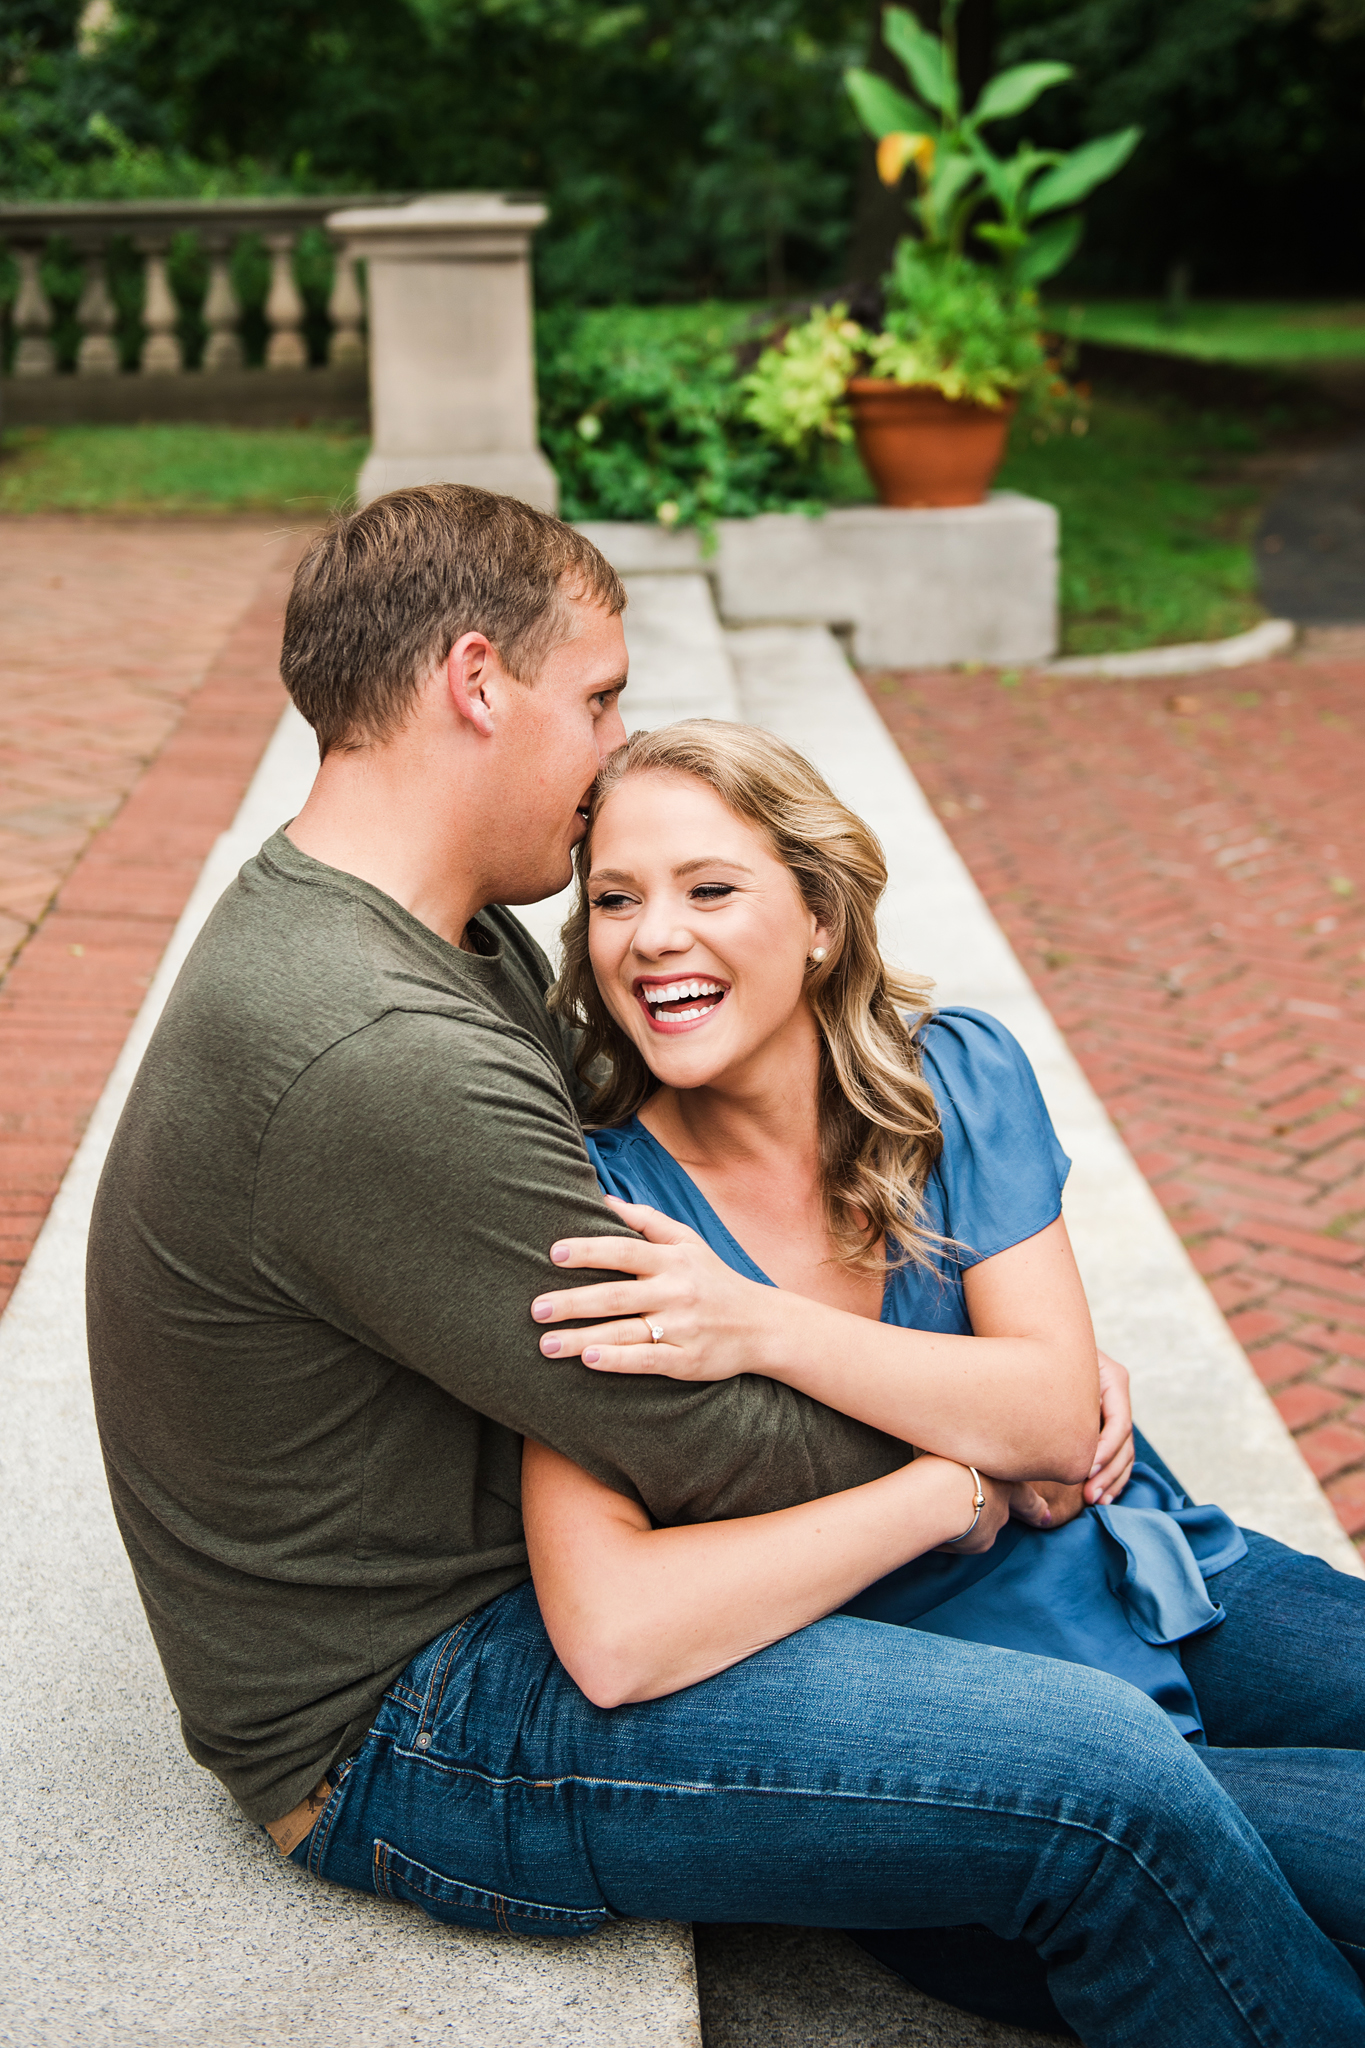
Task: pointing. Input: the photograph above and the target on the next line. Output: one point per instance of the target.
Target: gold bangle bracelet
(978, 1502)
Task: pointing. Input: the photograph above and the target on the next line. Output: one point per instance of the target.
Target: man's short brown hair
(382, 596)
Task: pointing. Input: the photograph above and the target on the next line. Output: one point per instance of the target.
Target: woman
(884, 1186)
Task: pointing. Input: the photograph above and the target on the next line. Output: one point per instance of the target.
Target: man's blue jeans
(863, 1775)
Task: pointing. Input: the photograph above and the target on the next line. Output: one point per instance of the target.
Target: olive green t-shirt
(325, 1213)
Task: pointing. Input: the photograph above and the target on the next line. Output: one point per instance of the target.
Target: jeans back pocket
(397, 1876)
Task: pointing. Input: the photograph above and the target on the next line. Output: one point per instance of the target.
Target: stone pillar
(98, 352)
(347, 310)
(161, 352)
(452, 370)
(32, 317)
(223, 349)
(284, 309)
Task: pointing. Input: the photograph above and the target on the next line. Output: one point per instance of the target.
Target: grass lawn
(1156, 524)
(1266, 334)
(171, 469)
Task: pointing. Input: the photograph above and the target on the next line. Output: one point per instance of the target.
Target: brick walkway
(138, 689)
(1181, 868)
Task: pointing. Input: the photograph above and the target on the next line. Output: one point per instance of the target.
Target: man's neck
(371, 816)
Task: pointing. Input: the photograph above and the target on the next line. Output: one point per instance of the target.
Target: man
(323, 1219)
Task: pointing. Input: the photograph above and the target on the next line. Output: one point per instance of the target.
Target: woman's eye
(611, 899)
(713, 892)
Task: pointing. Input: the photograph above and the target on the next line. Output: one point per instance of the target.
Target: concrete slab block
(917, 589)
(920, 589)
(1194, 1391)
(138, 1909)
(637, 547)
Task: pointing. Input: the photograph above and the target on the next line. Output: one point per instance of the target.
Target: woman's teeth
(684, 992)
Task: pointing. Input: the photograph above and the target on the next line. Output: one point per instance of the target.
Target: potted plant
(930, 395)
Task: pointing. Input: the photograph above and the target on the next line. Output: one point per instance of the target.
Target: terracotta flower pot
(920, 448)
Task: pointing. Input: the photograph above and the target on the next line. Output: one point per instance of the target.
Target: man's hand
(1048, 1503)
(1115, 1452)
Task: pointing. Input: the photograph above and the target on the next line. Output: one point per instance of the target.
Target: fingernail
(1094, 1468)
(591, 1357)
(549, 1345)
(542, 1310)
(1046, 1522)
(559, 1253)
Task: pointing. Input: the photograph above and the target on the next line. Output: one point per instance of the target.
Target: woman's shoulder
(1002, 1168)
(960, 1046)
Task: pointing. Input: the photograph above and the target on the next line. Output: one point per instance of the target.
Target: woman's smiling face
(698, 935)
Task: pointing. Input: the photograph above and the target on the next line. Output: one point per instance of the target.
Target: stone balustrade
(95, 231)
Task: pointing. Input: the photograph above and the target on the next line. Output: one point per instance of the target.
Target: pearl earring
(817, 954)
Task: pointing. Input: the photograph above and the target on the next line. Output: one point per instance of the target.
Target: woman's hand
(711, 1318)
(1001, 1500)
(1115, 1452)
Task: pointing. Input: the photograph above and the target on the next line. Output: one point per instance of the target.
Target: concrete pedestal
(914, 589)
(452, 368)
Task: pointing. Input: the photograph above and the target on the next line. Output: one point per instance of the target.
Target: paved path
(137, 684)
(1183, 872)
(1310, 546)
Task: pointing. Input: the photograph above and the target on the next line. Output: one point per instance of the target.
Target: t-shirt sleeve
(408, 1191)
(1002, 1169)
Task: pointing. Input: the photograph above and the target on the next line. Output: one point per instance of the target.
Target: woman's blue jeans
(859, 1775)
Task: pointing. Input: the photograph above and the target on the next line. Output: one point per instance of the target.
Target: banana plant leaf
(1080, 171)
(1048, 250)
(922, 56)
(1010, 92)
(882, 109)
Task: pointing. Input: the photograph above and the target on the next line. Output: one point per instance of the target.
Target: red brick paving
(138, 690)
(1181, 868)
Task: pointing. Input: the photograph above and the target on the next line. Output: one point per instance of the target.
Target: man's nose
(611, 733)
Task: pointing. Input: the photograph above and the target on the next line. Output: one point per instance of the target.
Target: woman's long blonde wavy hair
(878, 1122)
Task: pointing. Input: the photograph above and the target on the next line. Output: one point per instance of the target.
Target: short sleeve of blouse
(1000, 1176)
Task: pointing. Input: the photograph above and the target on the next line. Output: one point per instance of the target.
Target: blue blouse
(1117, 1588)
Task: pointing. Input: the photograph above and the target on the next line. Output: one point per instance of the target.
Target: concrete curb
(1192, 657)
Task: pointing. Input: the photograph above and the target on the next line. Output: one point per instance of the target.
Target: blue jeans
(1281, 1689)
(854, 1774)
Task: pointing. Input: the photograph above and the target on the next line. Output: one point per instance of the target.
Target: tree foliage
(696, 146)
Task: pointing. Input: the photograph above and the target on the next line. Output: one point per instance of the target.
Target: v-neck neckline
(754, 1269)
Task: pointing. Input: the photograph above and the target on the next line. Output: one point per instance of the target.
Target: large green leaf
(1013, 90)
(1048, 250)
(884, 111)
(922, 56)
(1080, 172)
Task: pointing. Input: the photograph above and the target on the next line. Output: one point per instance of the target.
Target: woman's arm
(635, 1612)
(1019, 1399)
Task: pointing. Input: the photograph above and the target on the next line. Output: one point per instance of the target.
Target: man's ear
(470, 667)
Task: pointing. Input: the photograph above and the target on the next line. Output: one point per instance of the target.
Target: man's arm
(409, 1188)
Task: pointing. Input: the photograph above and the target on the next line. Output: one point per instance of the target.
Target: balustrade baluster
(98, 316)
(347, 309)
(284, 309)
(32, 316)
(161, 352)
(223, 350)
